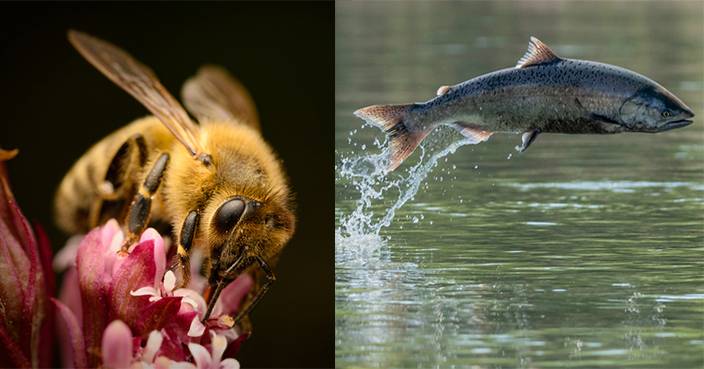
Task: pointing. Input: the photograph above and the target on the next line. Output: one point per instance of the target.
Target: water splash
(367, 176)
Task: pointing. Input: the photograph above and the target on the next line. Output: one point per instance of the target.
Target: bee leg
(141, 207)
(270, 278)
(181, 264)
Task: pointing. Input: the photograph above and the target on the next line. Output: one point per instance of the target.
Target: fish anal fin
(473, 133)
(538, 53)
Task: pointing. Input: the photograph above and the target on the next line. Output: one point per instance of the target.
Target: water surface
(583, 252)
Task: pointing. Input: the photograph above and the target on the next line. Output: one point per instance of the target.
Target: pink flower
(26, 284)
(115, 310)
(209, 360)
(124, 310)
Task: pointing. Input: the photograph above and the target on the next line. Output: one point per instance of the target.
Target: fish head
(654, 109)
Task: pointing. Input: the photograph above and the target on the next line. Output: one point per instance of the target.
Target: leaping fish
(544, 93)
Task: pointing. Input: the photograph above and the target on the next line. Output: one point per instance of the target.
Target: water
(583, 252)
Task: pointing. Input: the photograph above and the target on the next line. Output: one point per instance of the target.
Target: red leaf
(45, 257)
(137, 271)
(46, 336)
(94, 279)
(234, 347)
(11, 355)
(71, 293)
(14, 266)
(74, 340)
(157, 315)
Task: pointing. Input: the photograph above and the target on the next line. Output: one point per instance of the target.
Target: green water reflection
(586, 251)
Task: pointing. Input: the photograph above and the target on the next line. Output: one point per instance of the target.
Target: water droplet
(509, 156)
(366, 174)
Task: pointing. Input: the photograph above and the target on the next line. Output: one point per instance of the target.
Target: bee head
(242, 229)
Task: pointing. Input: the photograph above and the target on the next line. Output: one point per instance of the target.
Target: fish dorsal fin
(538, 53)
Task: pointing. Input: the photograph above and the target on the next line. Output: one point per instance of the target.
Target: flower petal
(153, 345)
(159, 252)
(163, 362)
(174, 345)
(145, 291)
(200, 355)
(117, 346)
(66, 257)
(194, 297)
(176, 335)
(182, 365)
(218, 344)
(73, 345)
(230, 364)
(232, 295)
(109, 231)
(197, 328)
(169, 281)
(197, 282)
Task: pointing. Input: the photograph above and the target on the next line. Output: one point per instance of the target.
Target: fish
(543, 93)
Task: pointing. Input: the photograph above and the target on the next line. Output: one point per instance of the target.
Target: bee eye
(666, 114)
(228, 214)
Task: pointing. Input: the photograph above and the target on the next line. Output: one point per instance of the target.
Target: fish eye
(228, 214)
(665, 114)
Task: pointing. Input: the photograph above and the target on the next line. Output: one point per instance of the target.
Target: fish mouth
(675, 124)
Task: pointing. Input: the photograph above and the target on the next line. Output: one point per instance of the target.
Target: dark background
(54, 105)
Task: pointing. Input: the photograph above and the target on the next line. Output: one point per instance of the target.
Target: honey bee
(217, 183)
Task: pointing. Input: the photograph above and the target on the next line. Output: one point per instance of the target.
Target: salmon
(544, 93)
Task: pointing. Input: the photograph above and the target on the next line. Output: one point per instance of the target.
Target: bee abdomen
(101, 184)
(77, 193)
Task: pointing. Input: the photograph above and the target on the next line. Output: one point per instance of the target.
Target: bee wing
(213, 94)
(139, 81)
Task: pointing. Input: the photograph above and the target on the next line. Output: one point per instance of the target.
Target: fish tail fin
(404, 137)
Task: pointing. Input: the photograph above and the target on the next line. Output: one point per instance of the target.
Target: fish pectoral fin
(603, 119)
(473, 133)
(527, 139)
